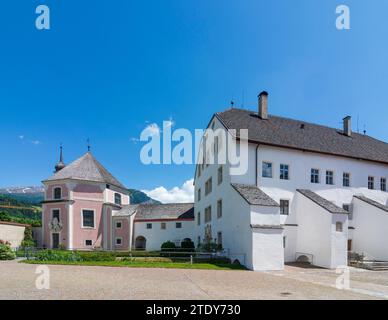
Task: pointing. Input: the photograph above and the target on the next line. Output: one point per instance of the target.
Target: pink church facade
(86, 208)
(77, 198)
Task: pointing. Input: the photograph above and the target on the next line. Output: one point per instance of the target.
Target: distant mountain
(34, 195)
(22, 190)
(137, 197)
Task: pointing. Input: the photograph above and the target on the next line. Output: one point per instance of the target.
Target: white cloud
(23, 139)
(182, 194)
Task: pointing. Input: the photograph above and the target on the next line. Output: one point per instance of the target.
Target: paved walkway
(373, 283)
(17, 281)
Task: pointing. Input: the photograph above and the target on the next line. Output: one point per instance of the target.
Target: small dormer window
(118, 199)
(57, 193)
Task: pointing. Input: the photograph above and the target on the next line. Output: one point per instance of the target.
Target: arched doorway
(140, 243)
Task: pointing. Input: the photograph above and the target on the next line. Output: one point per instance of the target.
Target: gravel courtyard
(17, 281)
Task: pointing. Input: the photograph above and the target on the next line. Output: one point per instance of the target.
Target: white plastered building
(310, 192)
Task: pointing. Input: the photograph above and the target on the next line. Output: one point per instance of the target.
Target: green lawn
(141, 264)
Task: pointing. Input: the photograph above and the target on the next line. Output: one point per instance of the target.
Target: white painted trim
(43, 224)
(70, 226)
(88, 199)
(105, 229)
(94, 218)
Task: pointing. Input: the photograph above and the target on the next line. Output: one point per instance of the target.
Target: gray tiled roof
(254, 196)
(284, 132)
(86, 168)
(266, 226)
(172, 211)
(325, 204)
(372, 202)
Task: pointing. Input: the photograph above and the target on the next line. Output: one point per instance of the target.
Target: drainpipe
(257, 182)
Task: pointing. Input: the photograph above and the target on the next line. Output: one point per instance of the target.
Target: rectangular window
(118, 225)
(199, 170)
(267, 170)
(219, 239)
(118, 199)
(56, 214)
(371, 182)
(329, 177)
(149, 225)
(216, 147)
(87, 218)
(208, 186)
(338, 226)
(284, 171)
(199, 218)
(119, 241)
(220, 175)
(219, 208)
(88, 243)
(285, 207)
(346, 179)
(314, 175)
(284, 241)
(57, 193)
(163, 226)
(208, 214)
(178, 225)
(383, 184)
(199, 194)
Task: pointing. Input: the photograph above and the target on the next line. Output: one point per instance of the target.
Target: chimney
(347, 126)
(263, 105)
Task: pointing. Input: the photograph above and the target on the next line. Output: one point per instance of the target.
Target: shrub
(6, 252)
(145, 259)
(28, 239)
(97, 256)
(168, 246)
(209, 247)
(187, 245)
(58, 255)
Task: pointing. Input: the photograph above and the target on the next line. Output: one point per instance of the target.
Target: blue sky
(106, 69)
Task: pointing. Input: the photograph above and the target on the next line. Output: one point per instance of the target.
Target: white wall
(236, 212)
(260, 249)
(370, 236)
(12, 233)
(267, 249)
(317, 235)
(290, 232)
(156, 236)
